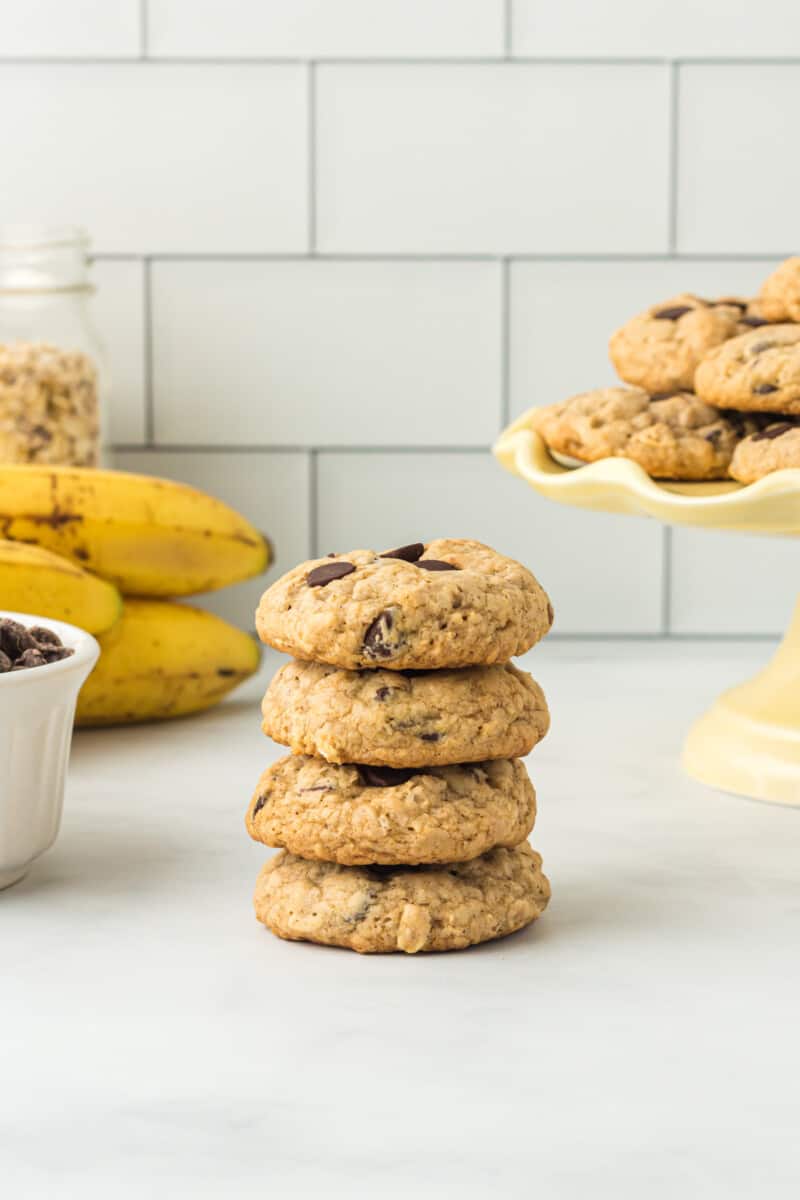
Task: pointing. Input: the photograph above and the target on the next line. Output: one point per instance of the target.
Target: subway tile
(270, 489)
(159, 158)
(732, 583)
(737, 178)
(320, 29)
(563, 313)
(332, 353)
(604, 572)
(492, 159)
(700, 28)
(69, 28)
(118, 314)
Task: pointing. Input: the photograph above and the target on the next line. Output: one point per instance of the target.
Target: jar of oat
(51, 375)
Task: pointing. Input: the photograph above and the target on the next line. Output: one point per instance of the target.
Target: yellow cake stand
(749, 740)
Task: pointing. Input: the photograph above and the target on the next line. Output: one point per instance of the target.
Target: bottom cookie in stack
(376, 910)
(380, 859)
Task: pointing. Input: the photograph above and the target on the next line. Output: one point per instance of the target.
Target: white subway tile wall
(341, 242)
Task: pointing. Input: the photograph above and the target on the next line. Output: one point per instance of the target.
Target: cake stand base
(749, 740)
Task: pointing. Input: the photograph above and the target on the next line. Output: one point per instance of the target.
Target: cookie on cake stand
(749, 740)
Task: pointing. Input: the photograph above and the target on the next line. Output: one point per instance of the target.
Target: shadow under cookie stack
(402, 812)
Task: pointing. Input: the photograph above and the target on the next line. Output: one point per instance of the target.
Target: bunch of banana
(77, 540)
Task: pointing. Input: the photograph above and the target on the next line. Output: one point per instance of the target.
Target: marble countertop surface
(640, 1042)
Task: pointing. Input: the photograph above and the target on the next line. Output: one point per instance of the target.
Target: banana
(36, 581)
(164, 660)
(149, 536)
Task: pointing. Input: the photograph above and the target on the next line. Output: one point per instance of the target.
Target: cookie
(779, 298)
(405, 719)
(775, 448)
(676, 437)
(659, 349)
(756, 372)
(450, 603)
(376, 910)
(360, 814)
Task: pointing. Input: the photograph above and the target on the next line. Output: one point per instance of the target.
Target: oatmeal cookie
(779, 298)
(405, 719)
(450, 603)
(675, 437)
(360, 814)
(775, 448)
(756, 372)
(659, 349)
(376, 910)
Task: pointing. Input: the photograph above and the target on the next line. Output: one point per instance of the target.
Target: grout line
(508, 29)
(147, 312)
(312, 157)
(672, 174)
(666, 579)
(313, 504)
(289, 448)
(144, 29)
(505, 343)
(392, 257)
(492, 60)
(716, 638)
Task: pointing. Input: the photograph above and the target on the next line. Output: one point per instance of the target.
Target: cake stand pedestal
(749, 740)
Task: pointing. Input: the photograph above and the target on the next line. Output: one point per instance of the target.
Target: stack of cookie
(716, 389)
(403, 810)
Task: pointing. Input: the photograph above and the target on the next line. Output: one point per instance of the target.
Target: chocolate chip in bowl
(23, 648)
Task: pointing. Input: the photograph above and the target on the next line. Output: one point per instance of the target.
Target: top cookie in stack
(405, 720)
(713, 381)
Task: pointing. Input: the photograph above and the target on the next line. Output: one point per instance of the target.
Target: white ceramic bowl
(37, 710)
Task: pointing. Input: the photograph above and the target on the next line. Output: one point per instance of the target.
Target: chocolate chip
(672, 314)
(325, 574)
(408, 553)
(774, 431)
(753, 322)
(383, 693)
(29, 658)
(550, 613)
(729, 302)
(714, 436)
(429, 737)
(259, 804)
(764, 389)
(54, 653)
(433, 564)
(14, 638)
(5, 663)
(384, 776)
(44, 637)
(376, 639)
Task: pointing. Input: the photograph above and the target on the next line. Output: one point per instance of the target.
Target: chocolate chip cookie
(756, 372)
(377, 910)
(775, 448)
(450, 603)
(361, 814)
(660, 349)
(405, 719)
(675, 437)
(779, 298)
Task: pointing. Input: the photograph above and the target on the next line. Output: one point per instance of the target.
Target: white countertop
(640, 1041)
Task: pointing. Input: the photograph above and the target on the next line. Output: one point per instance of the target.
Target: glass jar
(51, 372)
